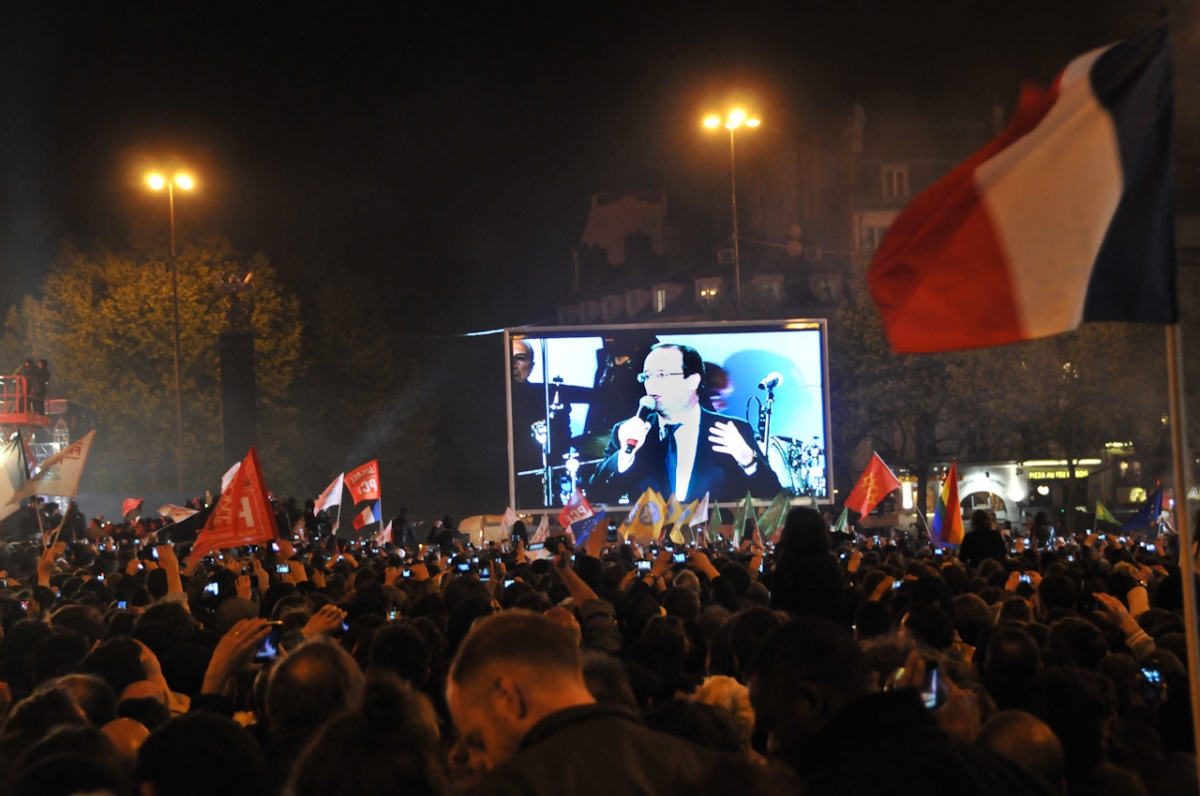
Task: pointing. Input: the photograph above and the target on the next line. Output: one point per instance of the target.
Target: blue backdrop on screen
(571, 387)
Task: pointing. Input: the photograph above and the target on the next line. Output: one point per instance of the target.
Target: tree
(104, 321)
(916, 404)
(1063, 396)
(367, 396)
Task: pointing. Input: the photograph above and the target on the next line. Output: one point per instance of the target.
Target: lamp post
(733, 120)
(184, 182)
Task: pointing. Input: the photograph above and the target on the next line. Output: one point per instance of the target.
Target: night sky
(433, 144)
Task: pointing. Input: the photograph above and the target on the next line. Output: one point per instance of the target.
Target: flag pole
(1179, 456)
(41, 530)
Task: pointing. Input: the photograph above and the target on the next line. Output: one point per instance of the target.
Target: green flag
(714, 523)
(1104, 515)
(744, 511)
(773, 516)
(842, 521)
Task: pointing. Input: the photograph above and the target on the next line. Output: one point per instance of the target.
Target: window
(895, 181)
(872, 237)
(770, 286)
(660, 299)
(612, 307)
(591, 311)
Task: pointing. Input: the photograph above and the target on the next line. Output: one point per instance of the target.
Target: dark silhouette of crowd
(317, 665)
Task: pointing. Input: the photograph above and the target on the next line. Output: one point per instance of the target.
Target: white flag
(509, 519)
(58, 475)
(543, 531)
(13, 473)
(229, 474)
(176, 513)
(701, 514)
(332, 496)
(384, 536)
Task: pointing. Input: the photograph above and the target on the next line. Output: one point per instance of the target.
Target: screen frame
(700, 327)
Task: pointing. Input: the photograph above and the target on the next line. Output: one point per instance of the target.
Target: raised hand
(233, 652)
(325, 621)
(725, 438)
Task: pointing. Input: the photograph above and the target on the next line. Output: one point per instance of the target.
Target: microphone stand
(556, 406)
(547, 473)
(767, 411)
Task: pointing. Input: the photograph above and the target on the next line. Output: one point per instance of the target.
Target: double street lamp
(184, 182)
(732, 121)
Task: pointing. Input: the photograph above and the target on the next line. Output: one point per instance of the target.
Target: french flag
(1067, 216)
(367, 516)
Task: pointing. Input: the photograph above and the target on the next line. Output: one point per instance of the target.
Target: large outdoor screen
(689, 409)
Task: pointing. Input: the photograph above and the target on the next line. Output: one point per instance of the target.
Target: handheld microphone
(645, 407)
(770, 381)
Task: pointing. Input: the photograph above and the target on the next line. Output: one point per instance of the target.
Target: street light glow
(184, 182)
(737, 117)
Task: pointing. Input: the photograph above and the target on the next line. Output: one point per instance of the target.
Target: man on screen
(531, 424)
(680, 446)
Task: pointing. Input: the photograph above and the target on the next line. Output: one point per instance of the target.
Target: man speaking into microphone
(673, 444)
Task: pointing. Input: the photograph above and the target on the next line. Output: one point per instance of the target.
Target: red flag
(131, 505)
(242, 515)
(876, 483)
(577, 509)
(363, 482)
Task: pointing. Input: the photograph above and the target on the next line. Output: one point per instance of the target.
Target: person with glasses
(680, 447)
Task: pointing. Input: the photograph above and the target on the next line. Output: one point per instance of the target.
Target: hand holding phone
(933, 693)
(268, 648)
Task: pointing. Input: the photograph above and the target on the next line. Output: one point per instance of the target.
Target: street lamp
(736, 118)
(184, 182)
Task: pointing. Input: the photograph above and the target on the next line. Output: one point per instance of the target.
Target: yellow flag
(674, 511)
(689, 511)
(646, 518)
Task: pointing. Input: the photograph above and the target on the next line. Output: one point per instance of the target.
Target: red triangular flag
(242, 515)
(876, 483)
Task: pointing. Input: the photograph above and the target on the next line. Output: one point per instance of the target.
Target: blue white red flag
(368, 515)
(1067, 216)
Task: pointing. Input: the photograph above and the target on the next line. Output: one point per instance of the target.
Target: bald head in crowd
(1026, 740)
(512, 670)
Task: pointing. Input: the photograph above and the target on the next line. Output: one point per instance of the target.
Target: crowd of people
(815, 664)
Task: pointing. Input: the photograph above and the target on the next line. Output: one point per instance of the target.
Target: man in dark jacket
(982, 541)
(680, 446)
(517, 694)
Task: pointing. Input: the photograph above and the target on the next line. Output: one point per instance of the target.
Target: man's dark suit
(715, 473)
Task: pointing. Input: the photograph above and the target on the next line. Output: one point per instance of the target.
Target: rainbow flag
(947, 526)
